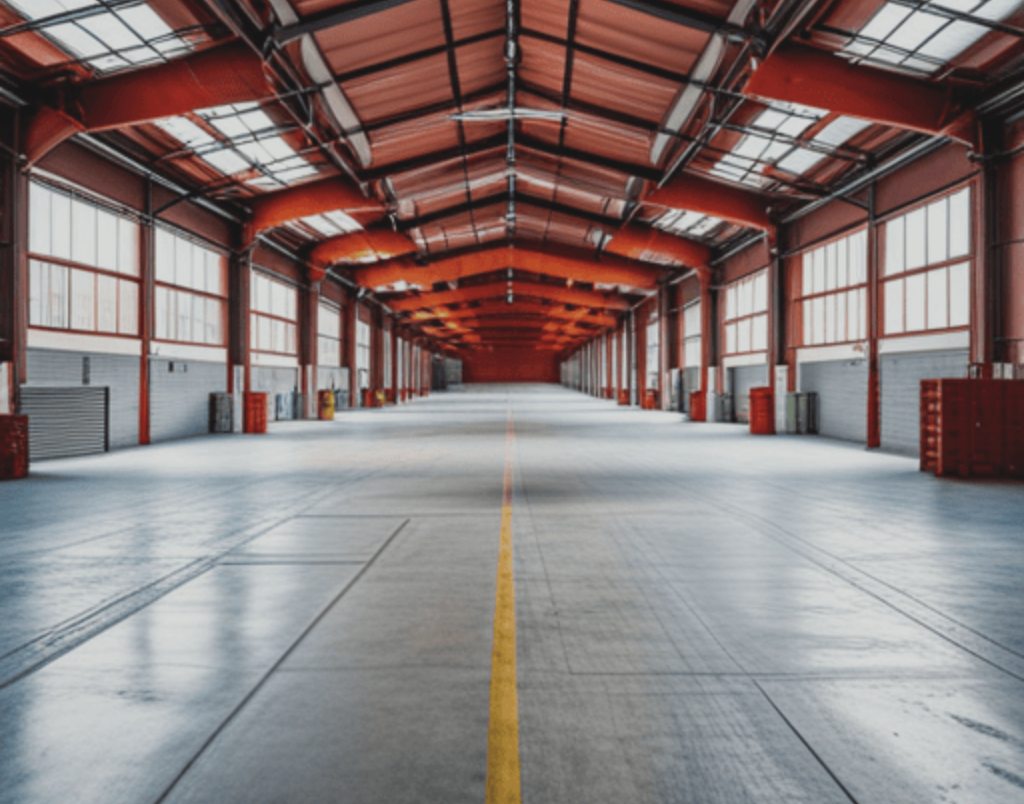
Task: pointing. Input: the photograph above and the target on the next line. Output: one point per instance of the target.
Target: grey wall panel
(743, 379)
(275, 382)
(120, 373)
(332, 378)
(842, 389)
(900, 379)
(179, 396)
(691, 383)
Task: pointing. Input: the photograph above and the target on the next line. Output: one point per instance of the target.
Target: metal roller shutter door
(842, 389)
(120, 373)
(179, 399)
(743, 379)
(65, 422)
(901, 377)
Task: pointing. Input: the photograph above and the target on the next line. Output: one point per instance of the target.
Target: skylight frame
(261, 149)
(76, 28)
(777, 139)
(888, 39)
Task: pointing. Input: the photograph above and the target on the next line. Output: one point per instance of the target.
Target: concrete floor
(702, 615)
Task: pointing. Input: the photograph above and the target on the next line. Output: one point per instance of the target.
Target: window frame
(165, 286)
(740, 286)
(256, 314)
(805, 300)
(887, 279)
(36, 258)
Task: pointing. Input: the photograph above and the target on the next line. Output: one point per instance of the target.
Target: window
(328, 327)
(746, 315)
(692, 335)
(834, 291)
(191, 291)
(927, 269)
(363, 353)
(83, 265)
(924, 36)
(273, 316)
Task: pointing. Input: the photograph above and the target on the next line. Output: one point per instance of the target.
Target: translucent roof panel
(248, 142)
(108, 35)
(691, 224)
(924, 36)
(772, 140)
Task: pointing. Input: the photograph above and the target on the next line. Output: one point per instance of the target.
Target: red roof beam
(498, 290)
(230, 73)
(805, 75)
(314, 198)
(730, 203)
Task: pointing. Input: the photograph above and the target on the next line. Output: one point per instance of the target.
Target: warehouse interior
(511, 400)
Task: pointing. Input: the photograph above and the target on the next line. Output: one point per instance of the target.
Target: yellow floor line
(503, 785)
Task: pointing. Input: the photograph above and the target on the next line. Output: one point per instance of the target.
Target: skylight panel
(241, 149)
(923, 39)
(185, 131)
(840, 130)
(683, 222)
(108, 39)
(774, 138)
(226, 161)
(327, 224)
(799, 161)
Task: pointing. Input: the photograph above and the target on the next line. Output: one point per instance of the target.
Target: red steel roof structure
(511, 170)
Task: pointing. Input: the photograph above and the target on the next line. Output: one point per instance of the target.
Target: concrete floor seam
(291, 649)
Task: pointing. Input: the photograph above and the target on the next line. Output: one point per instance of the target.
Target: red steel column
(665, 347)
(874, 325)
(351, 316)
(239, 321)
(147, 262)
(14, 278)
(309, 317)
(707, 332)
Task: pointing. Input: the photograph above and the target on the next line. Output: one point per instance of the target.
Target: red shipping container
(13, 447)
(255, 415)
(698, 406)
(762, 411)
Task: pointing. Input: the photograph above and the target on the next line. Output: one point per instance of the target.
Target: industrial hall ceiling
(511, 171)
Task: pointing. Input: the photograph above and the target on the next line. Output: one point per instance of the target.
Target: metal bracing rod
(686, 17)
(453, 78)
(480, 203)
(511, 57)
(960, 16)
(844, 152)
(330, 19)
(409, 58)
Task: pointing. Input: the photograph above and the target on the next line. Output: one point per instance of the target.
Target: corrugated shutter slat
(65, 422)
